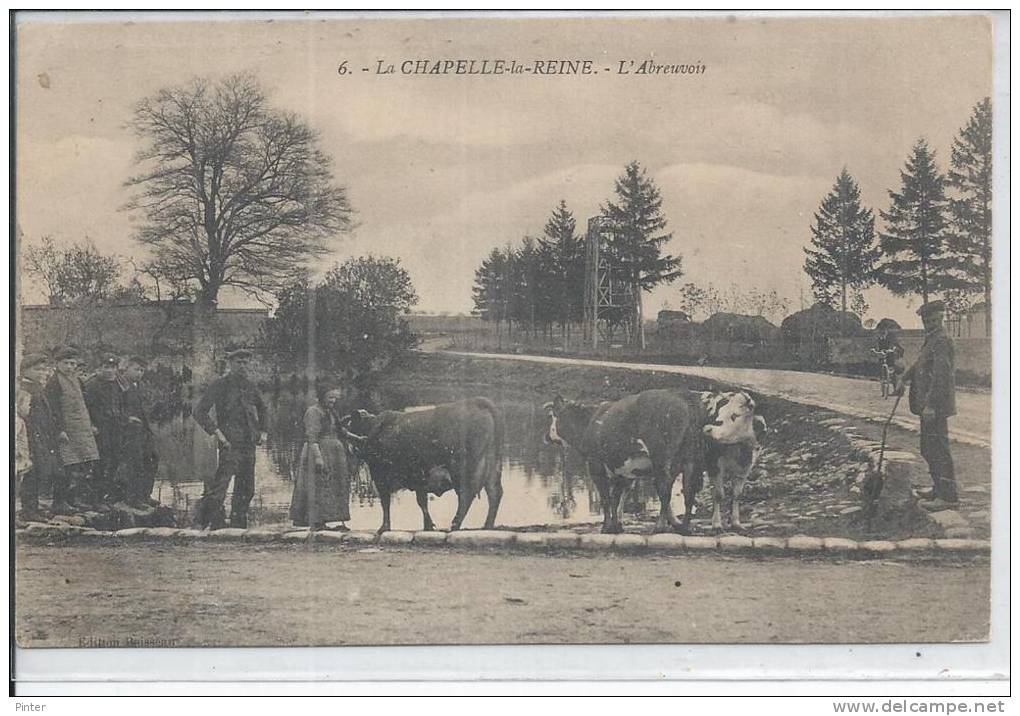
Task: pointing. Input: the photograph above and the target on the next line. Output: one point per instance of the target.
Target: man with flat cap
(104, 396)
(76, 442)
(238, 427)
(43, 464)
(933, 398)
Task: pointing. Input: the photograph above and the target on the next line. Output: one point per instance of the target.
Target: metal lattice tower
(608, 301)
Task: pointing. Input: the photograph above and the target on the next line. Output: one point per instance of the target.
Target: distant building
(739, 328)
(970, 324)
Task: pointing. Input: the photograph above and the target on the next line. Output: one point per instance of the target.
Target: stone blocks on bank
(961, 545)
(531, 539)
(701, 544)
(666, 542)
(630, 542)
(430, 537)
(396, 537)
(735, 543)
(562, 539)
(803, 543)
(481, 538)
(838, 545)
(261, 536)
(228, 534)
(162, 532)
(132, 532)
(877, 546)
(596, 541)
(769, 545)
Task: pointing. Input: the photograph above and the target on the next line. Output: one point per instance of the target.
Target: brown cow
(458, 445)
(656, 434)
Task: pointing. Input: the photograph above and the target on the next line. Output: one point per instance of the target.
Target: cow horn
(353, 437)
(343, 426)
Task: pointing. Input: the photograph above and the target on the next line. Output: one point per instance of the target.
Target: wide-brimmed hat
(109, 360)
(931, 307)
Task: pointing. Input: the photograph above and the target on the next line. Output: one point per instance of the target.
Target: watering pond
(543, 484)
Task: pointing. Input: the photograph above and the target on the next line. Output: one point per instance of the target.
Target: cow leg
(423, 502)
(384, 501)
(693, 481)
(464, 499)
(718, 496)
(664, 489)
(493, 493)
(738, 487)
(598, 476)
(617, 490)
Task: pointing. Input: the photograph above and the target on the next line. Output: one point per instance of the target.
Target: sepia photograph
(441, 329)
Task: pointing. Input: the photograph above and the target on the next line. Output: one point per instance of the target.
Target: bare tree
(232, 193)
(77, 273)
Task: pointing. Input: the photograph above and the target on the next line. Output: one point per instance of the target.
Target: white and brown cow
(734, 435)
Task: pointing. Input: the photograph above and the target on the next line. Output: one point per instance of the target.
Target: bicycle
(887, 374)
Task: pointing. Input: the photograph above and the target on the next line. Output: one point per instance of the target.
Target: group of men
(90, 439)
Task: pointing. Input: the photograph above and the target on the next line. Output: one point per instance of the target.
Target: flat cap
(33, 359)
(239, 353)
(65, 353)
(931, 307)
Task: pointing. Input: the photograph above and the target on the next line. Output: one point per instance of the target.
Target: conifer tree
(843, 256)
(970, 207)
(914, 242)
(639, 237)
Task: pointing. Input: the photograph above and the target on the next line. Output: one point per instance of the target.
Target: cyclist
(891, 355)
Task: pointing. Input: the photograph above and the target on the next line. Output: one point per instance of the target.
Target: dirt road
(852, 396)
(275, 595)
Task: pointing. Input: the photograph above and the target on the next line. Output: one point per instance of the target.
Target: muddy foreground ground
(292, 595)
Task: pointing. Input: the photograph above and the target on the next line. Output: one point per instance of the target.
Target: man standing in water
(933, 398)
(238, 427)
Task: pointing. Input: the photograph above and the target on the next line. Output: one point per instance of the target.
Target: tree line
(539, 285)
(937, 237)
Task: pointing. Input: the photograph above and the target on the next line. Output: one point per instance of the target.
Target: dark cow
(656, 434)
(662, 434)
(457, 445)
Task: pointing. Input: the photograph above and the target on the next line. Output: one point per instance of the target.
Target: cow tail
(499, 436)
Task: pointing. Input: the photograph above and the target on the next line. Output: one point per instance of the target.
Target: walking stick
(873, 487)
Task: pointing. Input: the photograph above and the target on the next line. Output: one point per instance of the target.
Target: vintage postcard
(501, 329)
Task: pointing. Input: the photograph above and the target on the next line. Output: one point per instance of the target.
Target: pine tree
(565, 253)
(914, 241)
(844, 256)
(636, 248)
(970, 176)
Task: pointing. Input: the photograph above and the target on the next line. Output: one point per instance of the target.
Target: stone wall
(973, 355)
(147, 328)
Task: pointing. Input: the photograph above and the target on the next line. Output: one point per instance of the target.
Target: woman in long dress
(324, 458)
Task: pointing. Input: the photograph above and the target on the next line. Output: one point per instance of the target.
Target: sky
(441, 169)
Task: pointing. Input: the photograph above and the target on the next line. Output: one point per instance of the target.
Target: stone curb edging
(798, 545)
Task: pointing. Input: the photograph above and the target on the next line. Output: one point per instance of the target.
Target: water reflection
(542, 484)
